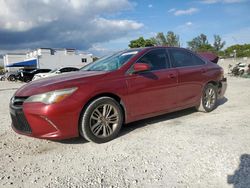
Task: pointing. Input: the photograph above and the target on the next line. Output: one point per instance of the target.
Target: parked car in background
(2, 77)
(55, 72)
(11, 76)
(127, 86)
(19, 74)
(27, 75)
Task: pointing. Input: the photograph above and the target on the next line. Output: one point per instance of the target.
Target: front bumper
(222, 88)
(19, 122)
(53, 122)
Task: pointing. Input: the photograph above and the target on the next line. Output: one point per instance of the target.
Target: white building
(48, 58)
(10, 58)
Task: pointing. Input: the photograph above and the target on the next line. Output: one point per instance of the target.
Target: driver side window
(157, 59)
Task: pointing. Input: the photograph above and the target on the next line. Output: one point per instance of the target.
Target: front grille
(19, 121)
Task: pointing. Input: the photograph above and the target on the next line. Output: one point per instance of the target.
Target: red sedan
(127, 86)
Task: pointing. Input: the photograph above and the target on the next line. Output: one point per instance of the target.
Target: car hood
(58, 82)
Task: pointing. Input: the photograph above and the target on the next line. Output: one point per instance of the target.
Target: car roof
(154, 47)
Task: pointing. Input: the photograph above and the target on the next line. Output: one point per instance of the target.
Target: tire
(12, 78)
(25, 79)
(209, 98)
(101, 121)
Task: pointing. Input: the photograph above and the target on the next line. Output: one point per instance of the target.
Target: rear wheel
(102, 120)
(208, 99)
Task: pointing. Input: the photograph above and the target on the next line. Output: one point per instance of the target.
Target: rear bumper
(222, 88)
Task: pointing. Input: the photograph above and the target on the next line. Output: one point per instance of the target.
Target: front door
(155, 90)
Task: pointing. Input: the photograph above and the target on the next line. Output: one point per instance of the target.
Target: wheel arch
(106, 94)
(215, 83)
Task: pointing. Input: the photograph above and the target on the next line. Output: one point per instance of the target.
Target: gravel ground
(181, 149)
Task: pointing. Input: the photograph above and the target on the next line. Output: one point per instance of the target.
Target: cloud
(189, 11)
(150, 6)
(222, 1)
(171, 10)
(188, 23)
(187, 27)
(66, 23)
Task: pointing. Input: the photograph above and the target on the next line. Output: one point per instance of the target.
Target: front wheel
(208, 99)
(101, 121)
(12, 78)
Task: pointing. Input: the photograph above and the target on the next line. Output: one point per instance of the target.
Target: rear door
(155, 90)
(192, 74)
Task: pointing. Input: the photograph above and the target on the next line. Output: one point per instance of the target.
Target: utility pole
(235, 55)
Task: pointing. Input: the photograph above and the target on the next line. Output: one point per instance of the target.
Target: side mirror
(58, 72)
(141, 67)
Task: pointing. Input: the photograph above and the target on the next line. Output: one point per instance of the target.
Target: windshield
(110, 63)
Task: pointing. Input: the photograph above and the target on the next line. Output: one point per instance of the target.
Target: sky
(104, 26)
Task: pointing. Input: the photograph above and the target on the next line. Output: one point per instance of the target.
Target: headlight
(52, 96)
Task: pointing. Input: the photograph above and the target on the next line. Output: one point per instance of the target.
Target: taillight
(222, 73)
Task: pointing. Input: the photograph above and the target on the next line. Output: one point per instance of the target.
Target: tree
(199, 44)
(1, 69)
(170, 39)
(160, 39)
(141, 42)
(173, 39)
(241, 50)
(218, 44)
(95, 58)
(206, 48)
(203, 39)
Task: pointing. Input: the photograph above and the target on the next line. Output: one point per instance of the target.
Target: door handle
(203, 70)
(171, 76)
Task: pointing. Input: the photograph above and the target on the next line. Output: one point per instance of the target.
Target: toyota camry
(127, 86)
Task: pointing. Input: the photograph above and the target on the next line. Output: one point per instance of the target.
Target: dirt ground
(181, 149)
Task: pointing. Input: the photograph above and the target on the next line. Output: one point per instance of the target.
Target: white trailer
(48, 58)
(11, 58)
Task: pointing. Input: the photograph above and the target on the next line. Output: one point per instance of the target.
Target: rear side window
(182, 58)
(157, 59)
(75, 69)
(45, 70)
(64, 70)
(197, 60)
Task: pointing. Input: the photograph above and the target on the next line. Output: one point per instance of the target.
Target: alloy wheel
(209, 98)
(104, 120)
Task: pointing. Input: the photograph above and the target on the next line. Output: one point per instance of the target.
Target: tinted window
(157, 59)
(45, 70)
(197, 60)
(74, 69)
(64, 70)
(182, 58)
